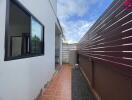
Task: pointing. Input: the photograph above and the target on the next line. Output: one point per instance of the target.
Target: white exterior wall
(54, 5)
(22, 79)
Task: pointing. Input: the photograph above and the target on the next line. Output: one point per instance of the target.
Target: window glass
(36, 36)
(19, 31)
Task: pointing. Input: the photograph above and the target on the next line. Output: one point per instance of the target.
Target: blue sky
(77, 16)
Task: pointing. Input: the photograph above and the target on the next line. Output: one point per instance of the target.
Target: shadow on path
(80, 88)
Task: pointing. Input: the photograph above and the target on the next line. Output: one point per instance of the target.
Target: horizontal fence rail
(110, 39)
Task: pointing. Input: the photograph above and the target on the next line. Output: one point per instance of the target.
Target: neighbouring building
(30, 45)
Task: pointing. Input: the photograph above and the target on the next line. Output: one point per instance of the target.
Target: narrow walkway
(60, 88)
(68, 84)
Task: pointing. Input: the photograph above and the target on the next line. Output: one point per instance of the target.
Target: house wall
(22, 79)
(53, 2)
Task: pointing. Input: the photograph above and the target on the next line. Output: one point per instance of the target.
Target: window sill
(22, 57)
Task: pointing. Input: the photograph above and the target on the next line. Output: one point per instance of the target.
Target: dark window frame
(7, 26)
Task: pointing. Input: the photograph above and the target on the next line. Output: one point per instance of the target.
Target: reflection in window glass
(36, 36)
(19, 32)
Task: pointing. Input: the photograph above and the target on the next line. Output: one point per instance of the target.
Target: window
(24, 35)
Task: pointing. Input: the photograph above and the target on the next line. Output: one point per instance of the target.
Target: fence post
(93, 73)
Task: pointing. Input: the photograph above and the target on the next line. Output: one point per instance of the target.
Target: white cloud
(74, 7)
(74, 30)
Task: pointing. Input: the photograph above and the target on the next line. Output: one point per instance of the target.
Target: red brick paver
(60, 87)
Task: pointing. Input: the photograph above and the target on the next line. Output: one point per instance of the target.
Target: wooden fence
(105, 53)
